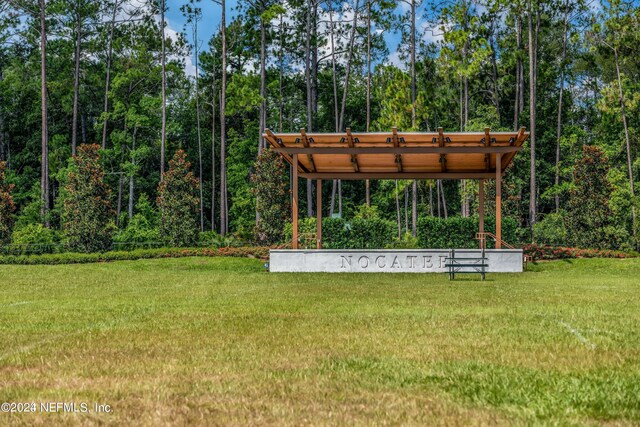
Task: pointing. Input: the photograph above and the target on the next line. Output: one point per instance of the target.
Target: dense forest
(108, 72)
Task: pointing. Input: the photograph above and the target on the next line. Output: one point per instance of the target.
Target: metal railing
(482, 240)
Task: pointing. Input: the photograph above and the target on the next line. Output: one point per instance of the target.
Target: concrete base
(386, 261)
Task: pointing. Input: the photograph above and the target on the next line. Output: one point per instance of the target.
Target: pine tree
(87, 214)
(179, 203)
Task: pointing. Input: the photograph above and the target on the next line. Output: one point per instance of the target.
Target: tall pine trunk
(533, 77)
(559, 122)
(107, 84)
(44, 160)
(163, 131)
(627, 141)
(76, 85)
(198, 133)
(224, 221)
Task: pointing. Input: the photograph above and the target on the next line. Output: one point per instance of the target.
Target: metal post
(498, 201)
(294, 205)
(319, 213)
(481, 213)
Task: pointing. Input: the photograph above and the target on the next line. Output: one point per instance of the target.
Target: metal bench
(465, 264)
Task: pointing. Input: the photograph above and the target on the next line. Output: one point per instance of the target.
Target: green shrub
(83, 258)
(407, 242)
(214, 240)
(551, 230)
(35, 239)
(458, 232)
(367, 230)
(142, 230)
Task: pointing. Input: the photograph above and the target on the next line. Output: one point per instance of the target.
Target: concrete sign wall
(386, 261)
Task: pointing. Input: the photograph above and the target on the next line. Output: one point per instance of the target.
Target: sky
(211, 21)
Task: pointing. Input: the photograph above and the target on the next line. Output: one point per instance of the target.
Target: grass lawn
(221, 341)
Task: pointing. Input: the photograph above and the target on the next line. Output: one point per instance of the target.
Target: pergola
(398, 155)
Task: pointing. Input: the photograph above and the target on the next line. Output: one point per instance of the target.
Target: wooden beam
(354, 157)
(400, 150)
(398, 175)
(396, 144)
(294, 204)
(305, 142)
(319, 214)
(443, 158)
(498, 202)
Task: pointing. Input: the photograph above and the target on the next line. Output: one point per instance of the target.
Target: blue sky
(211, 21)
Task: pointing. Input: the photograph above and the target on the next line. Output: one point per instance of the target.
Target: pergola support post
(498, 201)
(294, 204)
(319, 214)
(481, 213)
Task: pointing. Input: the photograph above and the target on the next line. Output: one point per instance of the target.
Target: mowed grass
(220, 341)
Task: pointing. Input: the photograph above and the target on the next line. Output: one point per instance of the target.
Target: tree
(193, 15)
(272, 198)
(7, 206)
(44, 155)
(163, 59)
(589, 216)
(178, 203)
(87, 215)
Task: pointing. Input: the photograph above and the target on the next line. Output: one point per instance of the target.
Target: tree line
(109, 72)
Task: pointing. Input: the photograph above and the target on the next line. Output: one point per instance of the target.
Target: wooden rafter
(396, 144)
(354, 157)
(517, 141)
(305, 142)
(276, 144)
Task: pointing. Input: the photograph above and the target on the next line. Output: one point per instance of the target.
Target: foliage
(142, 228)
(551, 230)
(87, 215)
(368, 230)
(459, 232)
(84, 258)
(7, 206)
(547, 252)
(272, 198)
(34, 239)
(215, 240)
(589, 216)
(178, 203)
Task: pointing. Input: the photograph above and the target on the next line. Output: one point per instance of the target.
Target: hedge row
(377, 233)
(82, 258)
(545, 252)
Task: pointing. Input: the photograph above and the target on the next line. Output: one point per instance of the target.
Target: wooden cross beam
(443, 158)
(396, 144)
(305, 142)
(354, 157)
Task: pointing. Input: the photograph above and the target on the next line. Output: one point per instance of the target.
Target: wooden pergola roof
(398, 155)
